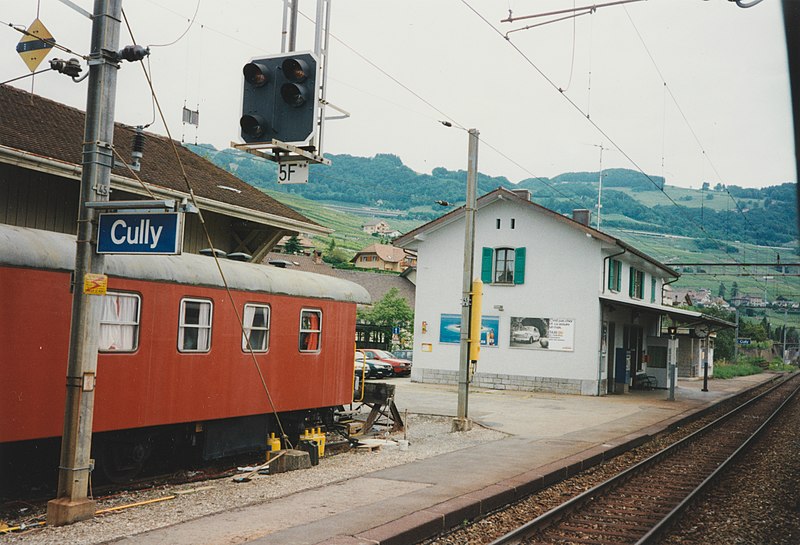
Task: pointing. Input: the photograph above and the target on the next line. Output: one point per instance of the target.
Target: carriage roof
(34, 248)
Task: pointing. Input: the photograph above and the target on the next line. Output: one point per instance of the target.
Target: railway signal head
(279, 98)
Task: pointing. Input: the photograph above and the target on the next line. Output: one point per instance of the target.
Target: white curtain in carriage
(119, 322)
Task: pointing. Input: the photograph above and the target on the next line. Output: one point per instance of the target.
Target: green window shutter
(487, 257)
(519, 266)
(652, 290)
(619, 276)
(612, 274)
(632, 283)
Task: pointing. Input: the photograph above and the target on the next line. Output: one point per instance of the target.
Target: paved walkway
(550, 436)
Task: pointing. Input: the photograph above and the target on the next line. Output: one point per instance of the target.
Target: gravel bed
(427, 435)
(758, 500)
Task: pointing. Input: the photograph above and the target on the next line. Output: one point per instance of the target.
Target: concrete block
(290, 461)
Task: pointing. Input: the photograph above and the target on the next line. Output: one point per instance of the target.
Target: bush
(778, 365)
(730, 370)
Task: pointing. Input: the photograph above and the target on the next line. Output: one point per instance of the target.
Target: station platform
(549, 437)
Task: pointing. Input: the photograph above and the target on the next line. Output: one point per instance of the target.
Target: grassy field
(692, 198)
(346, 227)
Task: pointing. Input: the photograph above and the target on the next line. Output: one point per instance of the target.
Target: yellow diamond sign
(34, 46)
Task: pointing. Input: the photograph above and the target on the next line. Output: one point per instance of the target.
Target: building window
(256, 327)
(498, 223)
(503, 265)
(615, 275)
(194, 329)
(119, 322)
(653, 289)
(636, 287)
(513, 223)
(310, 330)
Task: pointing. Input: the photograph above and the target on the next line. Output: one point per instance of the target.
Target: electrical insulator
(137, 151)
(133, 53)
(72, 67)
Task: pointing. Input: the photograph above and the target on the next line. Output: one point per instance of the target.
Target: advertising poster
(543, 333)
(450, 329)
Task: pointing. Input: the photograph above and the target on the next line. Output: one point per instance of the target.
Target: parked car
(400, 366)
(525, 334)
(404, 354)
(375, 368)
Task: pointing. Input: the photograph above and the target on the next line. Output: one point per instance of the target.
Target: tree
(336, 256)
(292, 245)
(734, 290)
(721, 291)
(391, 310)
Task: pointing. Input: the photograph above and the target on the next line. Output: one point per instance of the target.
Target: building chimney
(582, 216)
(522, 193)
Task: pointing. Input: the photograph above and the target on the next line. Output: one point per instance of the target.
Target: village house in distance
(566, 308)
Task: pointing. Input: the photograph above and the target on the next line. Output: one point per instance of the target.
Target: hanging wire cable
(185, 32)
(25, 76)
(211, 244)
(50, 41)
(602, 131)
(572, 60)
(391, 77)
(683, 114)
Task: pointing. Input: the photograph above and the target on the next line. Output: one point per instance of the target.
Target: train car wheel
(122, 460)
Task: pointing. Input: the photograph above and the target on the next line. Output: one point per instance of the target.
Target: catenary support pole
(462, 421)
(72, 503)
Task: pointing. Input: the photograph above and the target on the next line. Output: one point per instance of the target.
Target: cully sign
(155, 233)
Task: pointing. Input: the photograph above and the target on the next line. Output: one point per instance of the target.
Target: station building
(566, 308)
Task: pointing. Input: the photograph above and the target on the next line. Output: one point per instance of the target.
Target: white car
(525, 334)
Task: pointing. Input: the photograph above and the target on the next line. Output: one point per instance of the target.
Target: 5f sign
(293, 173)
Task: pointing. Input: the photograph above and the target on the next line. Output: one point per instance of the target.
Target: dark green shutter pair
(615, 275)
(487, 263)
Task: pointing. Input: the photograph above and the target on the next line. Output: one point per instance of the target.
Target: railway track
(641, 503)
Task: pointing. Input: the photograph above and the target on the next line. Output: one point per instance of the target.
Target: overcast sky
(723, 116)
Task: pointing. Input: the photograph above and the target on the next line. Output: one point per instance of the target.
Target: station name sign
(158, 233)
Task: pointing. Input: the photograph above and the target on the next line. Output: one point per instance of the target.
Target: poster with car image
(450, 329)
(543, 333)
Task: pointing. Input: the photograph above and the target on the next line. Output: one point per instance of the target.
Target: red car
(400, 366)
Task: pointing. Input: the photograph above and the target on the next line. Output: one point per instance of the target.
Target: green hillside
(672, 224)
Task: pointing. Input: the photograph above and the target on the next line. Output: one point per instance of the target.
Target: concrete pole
(672, 356)
(736, 338)
(462, 422)
(785, 323)
(71, 503)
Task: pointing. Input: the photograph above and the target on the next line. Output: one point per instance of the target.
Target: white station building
(566, 308)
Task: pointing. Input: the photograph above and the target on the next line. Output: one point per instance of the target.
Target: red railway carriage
(172, 355)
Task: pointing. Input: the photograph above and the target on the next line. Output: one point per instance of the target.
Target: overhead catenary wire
(591, 121)
(683, 114)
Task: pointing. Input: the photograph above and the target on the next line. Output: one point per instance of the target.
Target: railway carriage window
(119, 322)
(256, 326)
(310, 329)
(194, 330)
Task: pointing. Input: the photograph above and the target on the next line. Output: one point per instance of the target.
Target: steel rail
(554, 516)
(661, 528)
